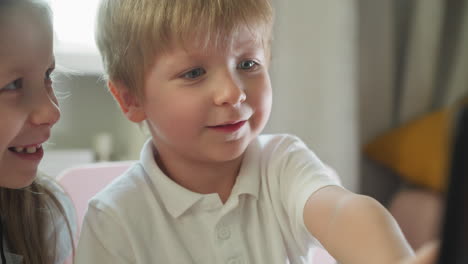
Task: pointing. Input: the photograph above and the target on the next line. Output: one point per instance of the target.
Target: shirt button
(224, 233)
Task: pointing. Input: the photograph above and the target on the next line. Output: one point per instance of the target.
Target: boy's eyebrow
(250, 44)
(249, 41)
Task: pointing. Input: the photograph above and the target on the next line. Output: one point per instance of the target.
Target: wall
(314, 80)
(87, 109)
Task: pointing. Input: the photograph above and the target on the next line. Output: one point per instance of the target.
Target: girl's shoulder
(55, 192)
(60, 221)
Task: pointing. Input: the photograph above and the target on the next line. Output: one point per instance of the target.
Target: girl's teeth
(28, 150)
(19, 149)
(31, 150)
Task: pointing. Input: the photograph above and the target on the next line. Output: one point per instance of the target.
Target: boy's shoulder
(273, 140)
(124, 190)
(285, 150)
(278, 144)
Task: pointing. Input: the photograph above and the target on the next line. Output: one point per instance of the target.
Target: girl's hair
(29, 215)
(130, 33)
(40, 5)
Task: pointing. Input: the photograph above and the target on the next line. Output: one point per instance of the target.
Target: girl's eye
(15, 85)
(48, 74)
(247, 65)
(193, 74)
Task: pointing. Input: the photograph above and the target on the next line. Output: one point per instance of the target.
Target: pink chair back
(82, 183)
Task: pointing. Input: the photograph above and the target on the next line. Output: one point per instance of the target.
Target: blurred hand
(427, 254)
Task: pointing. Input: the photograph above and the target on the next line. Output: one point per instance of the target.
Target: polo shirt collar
(177, 199)
(248, 180)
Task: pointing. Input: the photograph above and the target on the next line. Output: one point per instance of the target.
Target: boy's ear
(129, 103)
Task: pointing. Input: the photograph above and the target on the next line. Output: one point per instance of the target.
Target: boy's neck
(204, 178)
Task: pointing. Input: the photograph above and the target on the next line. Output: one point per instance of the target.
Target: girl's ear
(129, 103)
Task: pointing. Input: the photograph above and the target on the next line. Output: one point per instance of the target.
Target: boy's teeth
(19, 149)
(31, 150)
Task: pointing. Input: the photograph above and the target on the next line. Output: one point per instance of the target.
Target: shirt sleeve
(298, 174)
(102, 238)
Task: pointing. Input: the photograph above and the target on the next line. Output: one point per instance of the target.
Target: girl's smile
(29, 153)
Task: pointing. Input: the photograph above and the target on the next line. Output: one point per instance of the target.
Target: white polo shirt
(145, 217)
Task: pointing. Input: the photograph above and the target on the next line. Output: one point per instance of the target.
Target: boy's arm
(355, 229)
(102, 239)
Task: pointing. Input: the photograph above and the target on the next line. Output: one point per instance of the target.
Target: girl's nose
(46, 110)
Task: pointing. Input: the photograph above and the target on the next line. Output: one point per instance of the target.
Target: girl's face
(28, 106)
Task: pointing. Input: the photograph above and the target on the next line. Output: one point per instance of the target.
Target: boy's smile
(229, 126)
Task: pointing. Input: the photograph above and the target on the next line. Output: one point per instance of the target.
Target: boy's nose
(229, 92)
(45, 111)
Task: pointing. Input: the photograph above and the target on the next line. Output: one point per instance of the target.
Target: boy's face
(207, 105)
(28, 107)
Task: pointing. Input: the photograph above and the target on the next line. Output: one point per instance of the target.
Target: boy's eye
(16, 84)
(193, 74)
(247, 65)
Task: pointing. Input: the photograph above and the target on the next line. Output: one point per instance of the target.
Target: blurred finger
(427, 254)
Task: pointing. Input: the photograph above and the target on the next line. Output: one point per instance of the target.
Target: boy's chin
(230, 153)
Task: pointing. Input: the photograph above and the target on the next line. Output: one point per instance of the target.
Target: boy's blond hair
(130, 33)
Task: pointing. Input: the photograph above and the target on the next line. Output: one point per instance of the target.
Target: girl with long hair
(35, 213)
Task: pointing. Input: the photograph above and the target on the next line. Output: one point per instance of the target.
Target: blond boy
(208, 188)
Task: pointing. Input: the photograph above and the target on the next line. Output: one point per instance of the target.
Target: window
(75, 46)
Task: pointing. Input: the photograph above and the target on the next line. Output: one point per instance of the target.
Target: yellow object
(418, 151)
